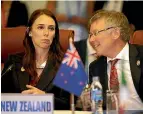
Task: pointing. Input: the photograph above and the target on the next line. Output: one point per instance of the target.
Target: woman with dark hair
(35, 69)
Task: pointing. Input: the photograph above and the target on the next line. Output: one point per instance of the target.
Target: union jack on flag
(71, 57)
(71, 75)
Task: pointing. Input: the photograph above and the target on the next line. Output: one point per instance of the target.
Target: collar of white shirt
(123, 55)
(43, 64)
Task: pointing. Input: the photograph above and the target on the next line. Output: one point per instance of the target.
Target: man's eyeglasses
(97, 32)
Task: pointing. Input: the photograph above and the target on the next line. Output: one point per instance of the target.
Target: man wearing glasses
(109, 36)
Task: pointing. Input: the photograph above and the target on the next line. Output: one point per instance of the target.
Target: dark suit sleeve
(140, 49)
(98, 68)
(6, 79)
(91, 71)
(141, 82)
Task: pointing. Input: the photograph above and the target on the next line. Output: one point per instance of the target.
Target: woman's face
(43, 32)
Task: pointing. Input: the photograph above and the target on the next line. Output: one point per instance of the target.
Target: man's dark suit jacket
(99, 68)
(18, 15)
(15, 81)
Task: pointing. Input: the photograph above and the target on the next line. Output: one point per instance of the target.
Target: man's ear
(116, 33)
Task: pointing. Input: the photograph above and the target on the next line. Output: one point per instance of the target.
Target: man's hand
(86, 98)
(32, 90)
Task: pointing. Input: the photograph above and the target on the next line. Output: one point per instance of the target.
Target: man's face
(101, 37)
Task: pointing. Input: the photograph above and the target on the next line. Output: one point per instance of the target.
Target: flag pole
(72, 103)
(72, 95)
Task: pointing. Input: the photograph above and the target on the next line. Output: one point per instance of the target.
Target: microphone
(7, 70)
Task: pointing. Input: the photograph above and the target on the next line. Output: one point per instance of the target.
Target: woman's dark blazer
(15, 80)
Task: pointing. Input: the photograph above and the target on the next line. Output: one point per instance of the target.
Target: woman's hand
(32, 90)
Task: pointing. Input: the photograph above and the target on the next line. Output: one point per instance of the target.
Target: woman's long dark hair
(55, 51)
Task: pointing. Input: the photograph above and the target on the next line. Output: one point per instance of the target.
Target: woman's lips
(46, 41)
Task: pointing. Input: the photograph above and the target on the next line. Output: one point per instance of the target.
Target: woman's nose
(46, 32)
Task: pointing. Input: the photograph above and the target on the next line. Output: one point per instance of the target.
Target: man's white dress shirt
(134, 102)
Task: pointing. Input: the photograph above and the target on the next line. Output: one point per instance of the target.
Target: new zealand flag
(71, 75)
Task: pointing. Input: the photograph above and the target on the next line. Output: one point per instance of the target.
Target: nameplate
(26, 104)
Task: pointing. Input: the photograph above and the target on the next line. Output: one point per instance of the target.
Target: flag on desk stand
(71, 75)
(123, 94)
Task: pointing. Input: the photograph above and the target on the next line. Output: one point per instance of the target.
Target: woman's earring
(30, 34)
